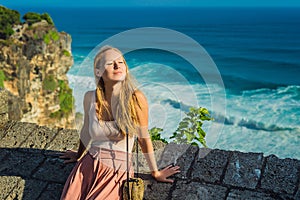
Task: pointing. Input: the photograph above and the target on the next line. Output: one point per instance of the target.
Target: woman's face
(114, 66)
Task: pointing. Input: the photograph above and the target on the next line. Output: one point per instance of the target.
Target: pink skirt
(98, 175)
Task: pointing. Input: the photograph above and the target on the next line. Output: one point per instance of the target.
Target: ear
(98, 72)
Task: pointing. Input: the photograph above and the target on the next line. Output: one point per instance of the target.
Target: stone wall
(30, 169)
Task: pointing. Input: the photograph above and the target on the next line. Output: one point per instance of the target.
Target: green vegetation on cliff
(49, 83)
(32, 18)
(51, 35)
(66, 101)
(2, 79)
(7, 19)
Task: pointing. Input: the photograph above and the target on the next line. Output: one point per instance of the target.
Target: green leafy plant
(155, 134)
(190, 129)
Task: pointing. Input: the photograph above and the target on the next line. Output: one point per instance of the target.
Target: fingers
(169, 181)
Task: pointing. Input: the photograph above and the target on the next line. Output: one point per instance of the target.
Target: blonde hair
(125, 113)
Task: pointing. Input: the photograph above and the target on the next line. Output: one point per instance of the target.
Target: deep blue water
(256, 50)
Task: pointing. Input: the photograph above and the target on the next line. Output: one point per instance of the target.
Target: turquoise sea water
(256, 50)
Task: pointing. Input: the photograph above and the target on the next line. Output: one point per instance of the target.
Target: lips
(118, 72)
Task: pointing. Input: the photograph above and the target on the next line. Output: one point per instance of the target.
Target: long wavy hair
(125, 112)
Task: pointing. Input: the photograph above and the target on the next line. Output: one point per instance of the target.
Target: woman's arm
(73, 156)
(146, 143)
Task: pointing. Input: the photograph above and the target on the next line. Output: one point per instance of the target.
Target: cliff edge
(34, 60)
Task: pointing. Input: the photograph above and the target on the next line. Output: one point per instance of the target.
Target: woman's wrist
(155, 173)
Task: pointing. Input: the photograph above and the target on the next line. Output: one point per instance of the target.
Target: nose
(116, 66)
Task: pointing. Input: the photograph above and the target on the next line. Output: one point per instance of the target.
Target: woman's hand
(163, 174)
(69, 156)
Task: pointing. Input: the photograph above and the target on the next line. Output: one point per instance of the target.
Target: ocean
(252, 88)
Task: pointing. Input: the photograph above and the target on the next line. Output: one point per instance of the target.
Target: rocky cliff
(34, 60)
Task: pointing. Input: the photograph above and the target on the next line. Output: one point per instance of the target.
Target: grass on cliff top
(32, 18)
(8, 18)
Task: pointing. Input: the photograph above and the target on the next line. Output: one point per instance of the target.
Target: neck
(112, 90)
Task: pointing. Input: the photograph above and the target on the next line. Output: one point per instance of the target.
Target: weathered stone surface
(210, 165)
(247, 194)
(152, 190)
(3, 108)
(12, 187)
(4, 129)
(18, 163)
(297, 195)
(281, 175)
(33, 189)
(143, 165)
(194, 190)
(39, 138)
(208, 174)
(244, 169)
(52, 191)
(64, 139)
(3, 154)
(185, 162)
(178, 154)
(18, 134)
(54, 170)
(171, 153)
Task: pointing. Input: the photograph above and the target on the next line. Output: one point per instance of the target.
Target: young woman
(114, 109)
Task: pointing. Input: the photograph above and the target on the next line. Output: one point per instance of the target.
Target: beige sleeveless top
(106, 134)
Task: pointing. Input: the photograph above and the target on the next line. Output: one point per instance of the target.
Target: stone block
(157, 190)
(33, 189)
(171, 153)
(210, 165)
(244, 169)
(143, 167)
(54, 170)
(12, 187)
(281, 175)
(52, 191)
(18, 163)
(3, 130)
(64, 139)
(3, 153)
(17, 134)
(39, 137)
(194, 190)
(247, 194)
(185, 161)
(179, 154)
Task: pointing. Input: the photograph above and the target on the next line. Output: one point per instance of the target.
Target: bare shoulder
(141, 98)
(88, 97)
